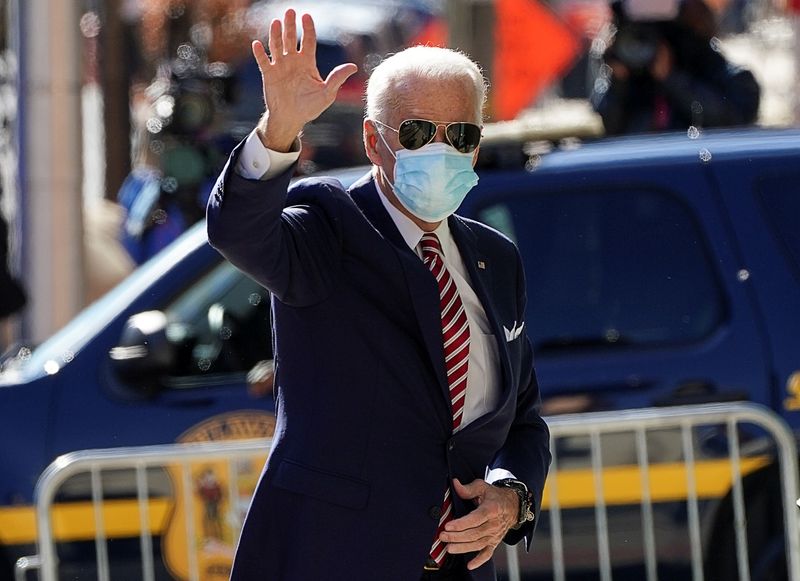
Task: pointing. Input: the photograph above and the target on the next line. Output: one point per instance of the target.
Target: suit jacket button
(435, 512)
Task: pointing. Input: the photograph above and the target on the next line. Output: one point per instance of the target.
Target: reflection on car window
(611, 269)
(780, 198)
(220, 324)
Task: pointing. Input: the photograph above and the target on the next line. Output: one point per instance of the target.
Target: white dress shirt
(483, 375)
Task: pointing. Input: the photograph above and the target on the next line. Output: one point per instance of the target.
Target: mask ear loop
(380, 134)
(391, 151)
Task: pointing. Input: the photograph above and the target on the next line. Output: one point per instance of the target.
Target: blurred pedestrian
(666, 73)
(12, 294)
(107, 262)
(408, 442)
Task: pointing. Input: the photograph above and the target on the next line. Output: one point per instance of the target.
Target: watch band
(525, 514)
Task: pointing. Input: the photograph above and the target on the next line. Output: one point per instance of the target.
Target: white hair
(429, 63)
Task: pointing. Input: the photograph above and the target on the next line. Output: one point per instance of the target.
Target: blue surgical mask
(432, 181)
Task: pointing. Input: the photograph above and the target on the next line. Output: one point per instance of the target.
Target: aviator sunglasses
(414, 133)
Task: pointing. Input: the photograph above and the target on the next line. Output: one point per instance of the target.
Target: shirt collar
(411, 233)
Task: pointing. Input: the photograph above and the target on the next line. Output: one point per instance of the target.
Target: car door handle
(699, 391)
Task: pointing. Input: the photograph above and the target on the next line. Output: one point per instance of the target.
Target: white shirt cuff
(496, 474)
(256, 162)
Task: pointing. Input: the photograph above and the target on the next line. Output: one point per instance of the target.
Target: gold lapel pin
(481, 265)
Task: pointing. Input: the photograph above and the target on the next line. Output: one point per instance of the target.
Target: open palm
(294, 91)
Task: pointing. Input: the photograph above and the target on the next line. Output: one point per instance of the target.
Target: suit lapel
(365, 194)
(422, 288)
(481, 280)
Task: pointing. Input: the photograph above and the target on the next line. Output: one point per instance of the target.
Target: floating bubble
(225, 333)
(90, 24)
(154, 125)
(743, 275)
(24, 354)
(186, 51)
(533, 162)
(51, 367)
(175, 10)
(201, 34)
(160, 216)
(601, 85)
(204, 364)
(254, 299)
(157, 146)
(218, 69)
(371, 61)
(599, 46)
(693, 132)
(705, 155)
(165, 106)
(67, 356)
(169, 184)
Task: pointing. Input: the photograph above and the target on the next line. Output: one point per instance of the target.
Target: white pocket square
(514, 332)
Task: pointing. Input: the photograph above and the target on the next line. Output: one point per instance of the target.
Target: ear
(475, 155)
(371, 142)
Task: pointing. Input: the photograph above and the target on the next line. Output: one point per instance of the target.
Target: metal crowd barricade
(635, 423)
(138, 459)
(638, 423)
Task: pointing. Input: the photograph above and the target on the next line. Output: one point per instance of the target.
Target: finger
(476, 518)
(471, 547)
(481, 558)
(466, 536)
(290, 31)
(275, 40)
(260, 54)
(474, 489)
(338, 76)
(309, 42)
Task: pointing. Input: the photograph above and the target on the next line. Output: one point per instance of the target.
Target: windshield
(62, 347)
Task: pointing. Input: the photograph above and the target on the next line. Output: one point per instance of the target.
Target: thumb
(338, 76)
(468, 491)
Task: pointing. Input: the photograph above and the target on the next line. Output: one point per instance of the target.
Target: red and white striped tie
(455, 335)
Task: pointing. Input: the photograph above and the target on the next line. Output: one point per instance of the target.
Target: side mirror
(144, 353)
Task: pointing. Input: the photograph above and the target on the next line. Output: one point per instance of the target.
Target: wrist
(512, 500)
(275, 136)
(524, 512)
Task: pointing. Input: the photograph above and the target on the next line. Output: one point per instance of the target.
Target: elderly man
(408, 442)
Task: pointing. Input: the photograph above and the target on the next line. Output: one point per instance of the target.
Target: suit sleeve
(291, 247)
(526, 452)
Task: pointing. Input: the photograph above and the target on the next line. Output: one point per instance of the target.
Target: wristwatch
(525, 499)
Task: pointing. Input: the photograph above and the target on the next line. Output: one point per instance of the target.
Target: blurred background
(116, 115)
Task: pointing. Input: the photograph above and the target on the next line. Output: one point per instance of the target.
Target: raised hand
(294, 91)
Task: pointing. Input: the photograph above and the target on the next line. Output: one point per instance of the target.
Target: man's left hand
(483, 529)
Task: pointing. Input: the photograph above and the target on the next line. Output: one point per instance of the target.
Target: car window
(611, 269)
(220, 324)
(780, 198)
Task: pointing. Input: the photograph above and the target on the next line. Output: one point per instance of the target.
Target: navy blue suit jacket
(363, 445)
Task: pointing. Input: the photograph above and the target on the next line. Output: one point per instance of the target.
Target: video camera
(187, 129)
(641, 25)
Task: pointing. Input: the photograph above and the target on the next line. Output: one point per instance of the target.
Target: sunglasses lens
(414, 133)
(465, 137)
